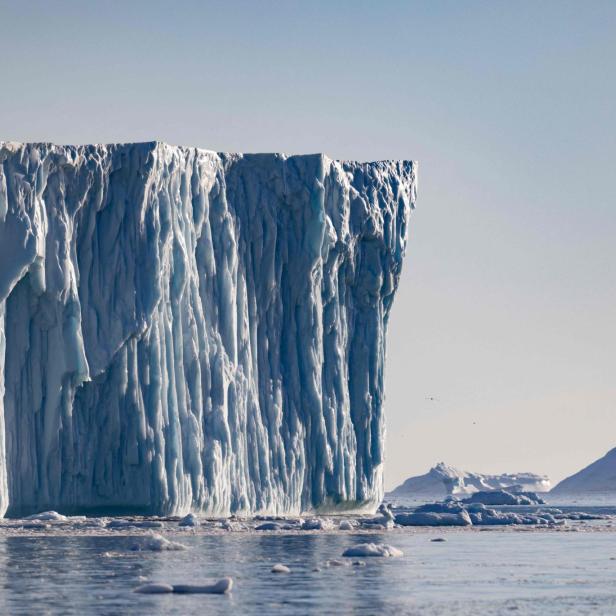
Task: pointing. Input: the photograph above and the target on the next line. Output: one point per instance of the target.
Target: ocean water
(502, 571)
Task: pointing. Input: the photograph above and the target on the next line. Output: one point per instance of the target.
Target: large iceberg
(184, 330)
(445, 480)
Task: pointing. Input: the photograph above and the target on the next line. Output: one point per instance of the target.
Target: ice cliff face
(183, 330)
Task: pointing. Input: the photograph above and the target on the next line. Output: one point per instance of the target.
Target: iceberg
(444, 480)
(183, 330)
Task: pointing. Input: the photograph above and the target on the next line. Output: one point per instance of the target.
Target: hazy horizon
(504, 312)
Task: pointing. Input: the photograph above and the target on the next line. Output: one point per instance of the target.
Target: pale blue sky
(505, 311)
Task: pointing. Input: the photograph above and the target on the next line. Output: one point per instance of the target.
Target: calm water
(498, 572)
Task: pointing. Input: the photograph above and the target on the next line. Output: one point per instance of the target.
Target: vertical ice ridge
(181, 329)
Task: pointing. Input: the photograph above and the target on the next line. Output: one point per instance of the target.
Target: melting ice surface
(184, 330)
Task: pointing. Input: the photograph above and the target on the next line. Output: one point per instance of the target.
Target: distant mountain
(444, 480)
(598, 477)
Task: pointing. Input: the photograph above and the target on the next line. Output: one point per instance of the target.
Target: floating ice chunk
(317, 524)
(372, 549)
(502, 497)
(269, 526)
(149, 524)
(438, 540)
(434, 519)
(189, 520)
(382, 521)
(48, 516)
(118, 524)
(358, 563)
(280, 568)
(154, 588)
(345, 525)
(221, 587)
(156, 543)
(335, 562)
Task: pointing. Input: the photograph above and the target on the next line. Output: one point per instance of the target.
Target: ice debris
(189, 520)
(221, 587)
(372, 549)
(280, 568)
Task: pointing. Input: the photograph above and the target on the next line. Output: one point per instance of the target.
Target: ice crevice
(182, 330)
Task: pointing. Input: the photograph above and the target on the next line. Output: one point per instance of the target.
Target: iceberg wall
(184, 330)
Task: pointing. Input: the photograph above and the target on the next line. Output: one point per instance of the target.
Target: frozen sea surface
(510, 570)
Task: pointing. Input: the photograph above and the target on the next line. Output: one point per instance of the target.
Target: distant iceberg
(443, 480)
(597, 478)
(185, 330)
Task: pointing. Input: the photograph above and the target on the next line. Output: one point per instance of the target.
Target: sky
(505, 310)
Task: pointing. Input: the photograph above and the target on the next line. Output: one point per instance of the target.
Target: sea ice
(461, 518)
(154, 588)
(372, 549)
(189, 520)
(221, 587)
(280, 568)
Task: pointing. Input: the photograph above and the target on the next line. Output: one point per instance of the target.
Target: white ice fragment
(221, 587)
(280, 568)
(372, 549)
(345, 525)
(48, 516)
(189, 520)
(317, 524)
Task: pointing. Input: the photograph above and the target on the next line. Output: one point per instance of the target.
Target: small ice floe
(317, 524)
(436, 514)
(336, 562)
(438, 540)
(270, 526)
(154, 588)
(156, 543)
(48, 516)
(345, 525)
(149, 524)
(118, 524)
(220, 587)
(372, 549)
(382, 521)
(189, 520)
(358, 563)
(502, 497)
(93, 523)
(280, 568)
